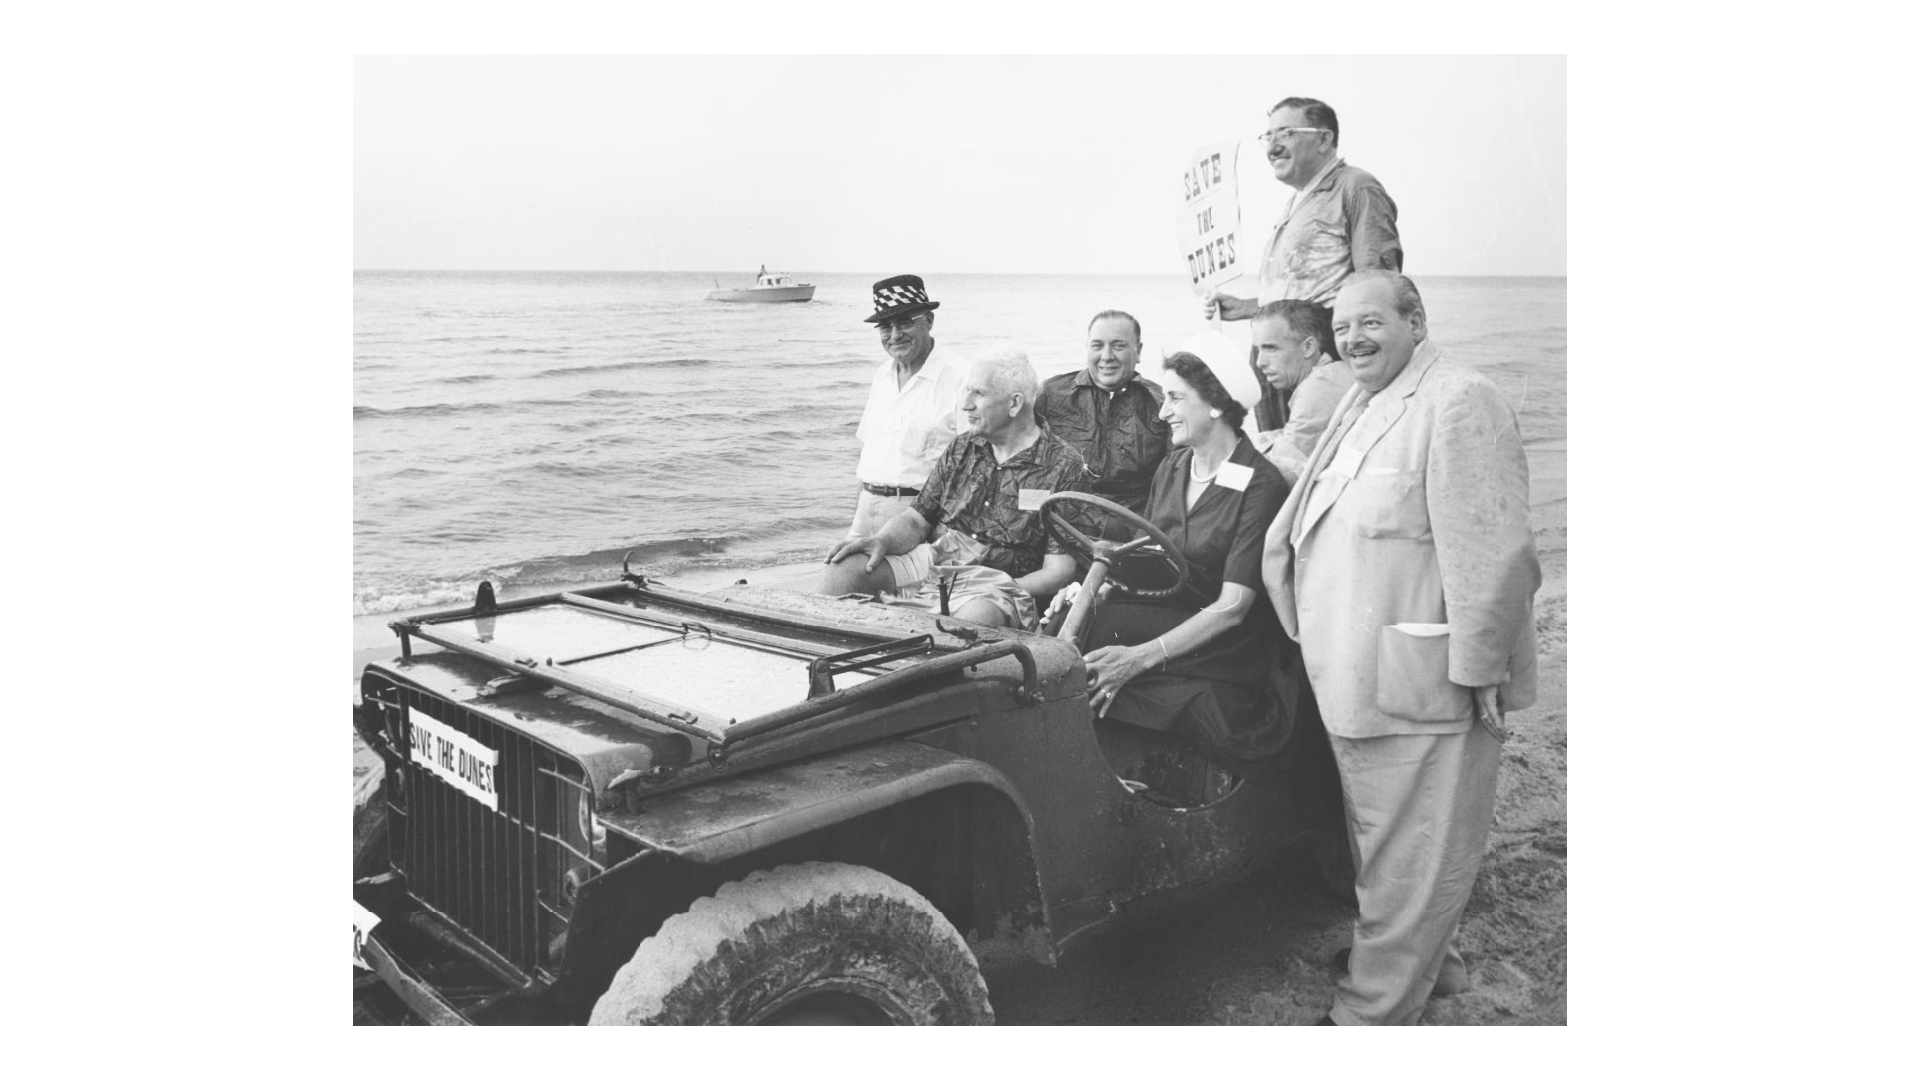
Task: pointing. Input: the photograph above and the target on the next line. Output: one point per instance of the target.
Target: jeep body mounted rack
(720, 733)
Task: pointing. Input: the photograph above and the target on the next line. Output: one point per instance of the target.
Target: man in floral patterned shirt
(977, 518)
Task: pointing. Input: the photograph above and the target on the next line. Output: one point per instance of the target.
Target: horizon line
(1001, 273)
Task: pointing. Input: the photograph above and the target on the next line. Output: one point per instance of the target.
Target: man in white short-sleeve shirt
(913, 408)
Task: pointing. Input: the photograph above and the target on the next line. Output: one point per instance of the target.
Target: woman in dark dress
(1210, 663)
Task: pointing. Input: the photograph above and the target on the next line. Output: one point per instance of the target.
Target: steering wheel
(1106, 551)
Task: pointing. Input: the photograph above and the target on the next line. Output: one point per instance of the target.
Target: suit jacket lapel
(1384, 411)
(1322, 454)
(1380, 418)
(1276, 567)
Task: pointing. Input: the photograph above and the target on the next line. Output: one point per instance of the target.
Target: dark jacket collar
(1085, 378)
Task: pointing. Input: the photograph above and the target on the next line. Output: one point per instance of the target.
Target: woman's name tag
(1233, 476)
(1031, 498)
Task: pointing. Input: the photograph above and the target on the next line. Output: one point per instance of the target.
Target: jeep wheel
(813, 943)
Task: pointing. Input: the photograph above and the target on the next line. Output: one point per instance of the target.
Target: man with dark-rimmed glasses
(1339, 220)
(912, 409)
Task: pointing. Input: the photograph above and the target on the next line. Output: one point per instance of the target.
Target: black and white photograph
(1034, 540)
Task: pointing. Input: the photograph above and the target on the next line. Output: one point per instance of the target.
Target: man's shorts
(914, 576)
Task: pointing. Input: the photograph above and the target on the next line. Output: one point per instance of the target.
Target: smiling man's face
(1374, 337)
(908, 340)
(1296, 156)
(1113, 351)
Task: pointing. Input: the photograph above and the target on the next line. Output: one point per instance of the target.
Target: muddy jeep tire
(808, 943)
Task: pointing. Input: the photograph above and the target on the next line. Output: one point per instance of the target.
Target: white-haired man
(978, 510)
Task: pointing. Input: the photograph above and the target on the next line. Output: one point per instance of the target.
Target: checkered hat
(897, 296)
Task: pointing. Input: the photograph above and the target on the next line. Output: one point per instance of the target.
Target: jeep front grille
(499, 874)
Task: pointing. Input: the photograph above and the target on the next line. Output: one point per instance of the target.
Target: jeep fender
(950, 826)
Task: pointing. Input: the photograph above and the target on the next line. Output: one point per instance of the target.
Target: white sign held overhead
(1209, 221)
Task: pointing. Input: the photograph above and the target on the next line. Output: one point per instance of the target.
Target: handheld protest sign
(1209, 218)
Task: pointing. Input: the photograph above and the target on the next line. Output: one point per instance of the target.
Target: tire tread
(676, 975)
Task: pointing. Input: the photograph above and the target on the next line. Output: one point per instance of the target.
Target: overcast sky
(955, 164)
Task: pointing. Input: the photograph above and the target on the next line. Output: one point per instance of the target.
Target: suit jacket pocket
(1390, 504)
(1412, 676)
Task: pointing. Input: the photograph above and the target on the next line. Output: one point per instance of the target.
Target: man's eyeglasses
(1283, 134)
(892, 326)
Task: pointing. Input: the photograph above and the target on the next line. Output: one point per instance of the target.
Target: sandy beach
(1254, 950)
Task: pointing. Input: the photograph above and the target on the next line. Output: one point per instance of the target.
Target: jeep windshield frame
(882, 667)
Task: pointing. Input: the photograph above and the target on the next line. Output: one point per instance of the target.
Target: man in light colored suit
(1404, 565)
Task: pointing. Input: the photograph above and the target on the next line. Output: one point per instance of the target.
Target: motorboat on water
(768, 288)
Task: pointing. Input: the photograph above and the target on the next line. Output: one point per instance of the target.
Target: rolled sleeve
(1373, 235)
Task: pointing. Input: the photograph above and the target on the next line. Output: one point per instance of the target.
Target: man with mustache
(1109, 412)
(1403, 564)
(1339, 220)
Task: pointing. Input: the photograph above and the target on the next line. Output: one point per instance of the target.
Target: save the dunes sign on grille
(454, 757)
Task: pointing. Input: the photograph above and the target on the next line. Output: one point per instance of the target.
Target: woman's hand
(1109, 668)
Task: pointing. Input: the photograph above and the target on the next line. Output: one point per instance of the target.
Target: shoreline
(374, 640)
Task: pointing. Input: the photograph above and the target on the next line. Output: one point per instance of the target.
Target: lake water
(534, 427)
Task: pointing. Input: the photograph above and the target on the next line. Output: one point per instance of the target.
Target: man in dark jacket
(1109, 413)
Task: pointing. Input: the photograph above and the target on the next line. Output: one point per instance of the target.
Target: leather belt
(889, 492)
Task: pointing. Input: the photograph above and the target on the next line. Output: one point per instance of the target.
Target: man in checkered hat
(913, 408)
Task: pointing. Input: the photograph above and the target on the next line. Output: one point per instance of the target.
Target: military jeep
(636, 804)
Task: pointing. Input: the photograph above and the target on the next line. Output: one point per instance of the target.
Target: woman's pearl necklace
(1193, 470)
